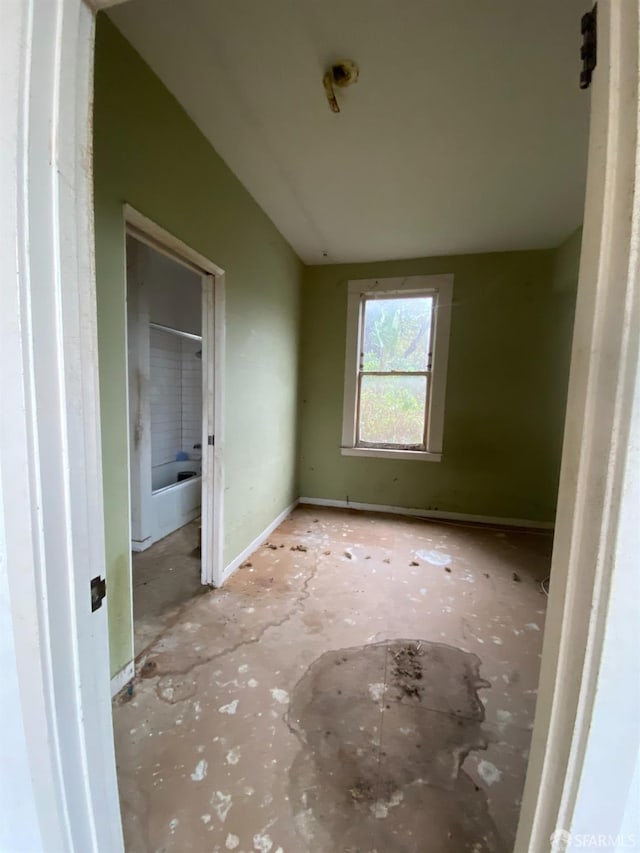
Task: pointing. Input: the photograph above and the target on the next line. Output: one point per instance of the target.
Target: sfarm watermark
(562, 840)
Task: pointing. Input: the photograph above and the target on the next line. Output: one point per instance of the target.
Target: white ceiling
(467, 131)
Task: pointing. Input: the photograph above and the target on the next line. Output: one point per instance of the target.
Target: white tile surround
(176, 396)
(191, 396)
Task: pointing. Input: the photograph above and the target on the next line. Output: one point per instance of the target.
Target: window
(396, 365)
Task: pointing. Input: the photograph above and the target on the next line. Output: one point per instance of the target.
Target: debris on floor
(330, 704)
(407, 669)
(148, 669)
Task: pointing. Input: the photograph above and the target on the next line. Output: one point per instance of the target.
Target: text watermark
(562, 840)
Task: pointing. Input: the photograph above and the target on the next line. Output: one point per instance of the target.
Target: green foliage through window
(392, 410)
(397, 333)
(396, 340)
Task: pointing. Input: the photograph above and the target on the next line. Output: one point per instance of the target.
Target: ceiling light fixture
(341, 74)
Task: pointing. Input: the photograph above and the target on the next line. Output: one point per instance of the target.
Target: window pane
(396, 333)
(392, 409)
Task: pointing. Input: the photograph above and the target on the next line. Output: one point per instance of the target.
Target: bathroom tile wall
(166, 375)
(191, 396)
(176, 396)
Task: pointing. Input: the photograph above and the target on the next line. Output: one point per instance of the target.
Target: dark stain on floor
(210, 756)
(385, 729)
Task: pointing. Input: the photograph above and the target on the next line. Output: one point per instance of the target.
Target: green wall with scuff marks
(506, 387)
(147, 152)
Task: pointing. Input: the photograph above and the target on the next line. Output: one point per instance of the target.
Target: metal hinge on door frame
(98, 592)
(589, 49)
(212, 440)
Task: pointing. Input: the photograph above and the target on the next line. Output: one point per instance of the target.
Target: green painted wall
(508, 362)
(506, 387)
(149, 153)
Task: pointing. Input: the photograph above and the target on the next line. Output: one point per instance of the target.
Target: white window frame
(440, 287)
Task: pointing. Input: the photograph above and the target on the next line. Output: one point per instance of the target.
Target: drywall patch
(280, 696)
(376, 691)
(200, 772)
(233, 756)
(488, 772)
(222, 804)
(436, 558)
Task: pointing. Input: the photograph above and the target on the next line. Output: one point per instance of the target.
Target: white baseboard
(435, 514)
(123, 677)
(260, 538)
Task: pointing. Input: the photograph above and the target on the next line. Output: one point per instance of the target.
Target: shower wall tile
(176, 396)
(191, 395)
(166, 397)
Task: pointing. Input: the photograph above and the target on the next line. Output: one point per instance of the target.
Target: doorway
(172, 402)
(61, 670)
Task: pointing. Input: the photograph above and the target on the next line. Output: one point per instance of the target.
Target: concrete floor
(165, 577)
(364, 683)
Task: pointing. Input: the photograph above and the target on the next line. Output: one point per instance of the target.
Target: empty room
(337, 253)
(320, 426)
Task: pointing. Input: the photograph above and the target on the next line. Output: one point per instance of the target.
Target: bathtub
(174, 502)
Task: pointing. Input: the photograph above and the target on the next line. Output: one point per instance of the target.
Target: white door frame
(56, 721)
(596, 546)
(213, 329)
(57, 771)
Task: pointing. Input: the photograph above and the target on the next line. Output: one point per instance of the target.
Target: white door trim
(594, 541)
(212, 425)
(53, 648)
(213, 362)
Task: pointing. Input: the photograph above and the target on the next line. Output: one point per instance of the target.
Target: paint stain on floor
(373, 690)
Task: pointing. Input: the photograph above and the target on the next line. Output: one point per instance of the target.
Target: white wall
(191, 396)
(175, 293)
(176, 396)
(166, 397)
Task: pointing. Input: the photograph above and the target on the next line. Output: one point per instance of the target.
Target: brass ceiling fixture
(341, 74)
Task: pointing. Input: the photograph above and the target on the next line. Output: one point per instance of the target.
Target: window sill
(385, 453)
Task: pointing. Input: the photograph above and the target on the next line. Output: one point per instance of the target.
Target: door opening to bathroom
(171, 403)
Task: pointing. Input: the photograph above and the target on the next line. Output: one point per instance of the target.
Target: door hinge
(98, 592)
(589, 49)
(212, 440)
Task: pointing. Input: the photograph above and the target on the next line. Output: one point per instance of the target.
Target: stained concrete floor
(364, 683)
(165, 577)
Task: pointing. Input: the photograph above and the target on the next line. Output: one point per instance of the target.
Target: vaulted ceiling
(466, 132)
